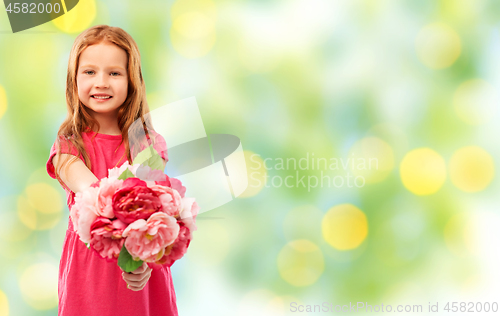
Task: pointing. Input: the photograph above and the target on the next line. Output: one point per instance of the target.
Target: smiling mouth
(101, 97)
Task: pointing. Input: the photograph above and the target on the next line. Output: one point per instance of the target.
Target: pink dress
(89, 285)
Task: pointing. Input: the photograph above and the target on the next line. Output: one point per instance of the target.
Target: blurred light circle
(182, 7)
(26, 212)
(38, 285)
(3, 101)
(193, 34)
(44, 198)
(193, 25)
(372, 159)
(475, 101)
(12, 229)
(77, 19)
(344, 227)
(303, 222)
(257, 173)
(300, 263)
(42, 208)
(423, 171)
(33, 219)
(260, 302)
(4, 304)
(471, 169)
(438, 45)
(459, 234)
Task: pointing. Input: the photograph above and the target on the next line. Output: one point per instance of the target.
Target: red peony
(135, 201)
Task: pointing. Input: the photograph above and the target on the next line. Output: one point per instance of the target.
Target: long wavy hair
(135, 106)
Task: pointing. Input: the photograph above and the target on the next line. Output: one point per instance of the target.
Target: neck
(108, 123)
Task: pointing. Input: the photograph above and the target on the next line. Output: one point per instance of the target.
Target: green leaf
(126, 262)
(126, 174)
(155, 161)
(149, 157)
(143, 155)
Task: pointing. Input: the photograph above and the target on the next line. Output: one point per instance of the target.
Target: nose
(101, 81)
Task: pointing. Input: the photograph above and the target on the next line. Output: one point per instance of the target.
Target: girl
(105, 94)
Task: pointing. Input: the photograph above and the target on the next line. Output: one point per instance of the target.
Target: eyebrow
(94, 66)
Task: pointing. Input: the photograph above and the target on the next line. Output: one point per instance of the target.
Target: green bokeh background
(289, 78)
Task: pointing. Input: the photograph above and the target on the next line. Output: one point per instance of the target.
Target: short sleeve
(66, 148)
(161, 146)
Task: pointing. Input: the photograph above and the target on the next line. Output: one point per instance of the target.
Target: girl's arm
(76, 175)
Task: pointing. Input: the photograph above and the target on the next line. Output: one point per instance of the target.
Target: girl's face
(102, 78)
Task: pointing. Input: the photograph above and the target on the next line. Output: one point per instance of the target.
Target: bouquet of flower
(137, 214)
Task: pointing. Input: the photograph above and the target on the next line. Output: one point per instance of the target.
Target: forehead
(103, 54)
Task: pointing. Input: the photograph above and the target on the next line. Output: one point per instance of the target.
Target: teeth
(101, 97)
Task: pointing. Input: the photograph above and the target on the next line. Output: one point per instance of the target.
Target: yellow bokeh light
(475, 101)
(260, 302)
(438, 46)
(4, 304)
(181, 7)
(300, 263)
(12, 229)
(257, 173)
(459, 234)
(467, 12)
(423, 171)
(3, 101)
(41, 208)
(372, 159)
(77, 19)
(344, 227)
(193, 25)
(26, 212)
(471, 169)
(193, 34)
(44, 197)
(38, 285)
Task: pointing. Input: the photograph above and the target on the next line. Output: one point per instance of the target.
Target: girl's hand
(137, 279)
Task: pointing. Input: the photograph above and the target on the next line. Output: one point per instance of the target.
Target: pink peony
(188, 214)
(170, 199)
(177, 249)
(147, 174)
(135, 201)
(84, 212)
(176, 184)
(146, 240)
(106, 237)
(114, 173)
(105, 196)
